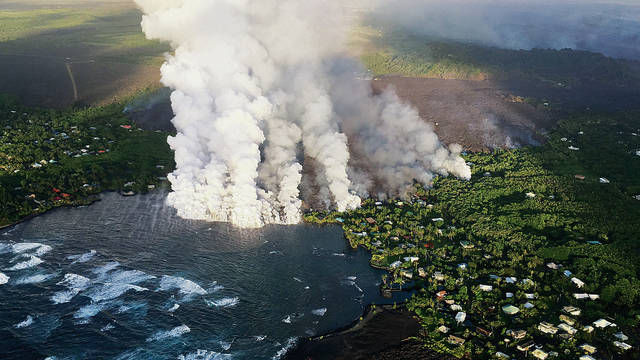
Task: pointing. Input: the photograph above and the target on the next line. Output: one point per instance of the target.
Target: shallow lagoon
(127, 279)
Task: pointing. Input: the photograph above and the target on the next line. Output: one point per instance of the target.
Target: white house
(579, 283)
(461, 316)
(486, 287)
(601, 323)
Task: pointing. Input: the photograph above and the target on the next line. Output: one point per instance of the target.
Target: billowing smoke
(611, 27)
(261, 89)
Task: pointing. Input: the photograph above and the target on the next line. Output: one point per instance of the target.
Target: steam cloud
(611, 27)
(262, 88)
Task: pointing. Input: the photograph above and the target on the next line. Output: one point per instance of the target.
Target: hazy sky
(611, 27)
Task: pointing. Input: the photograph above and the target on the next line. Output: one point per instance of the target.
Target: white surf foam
(260, 337)
(32, 262)
(26, 323)
(88, 311)
(291, 342)
(175, 332)
(185, 287)
(107, 327)
(224, 302)
(174, 308)
(4, 279)
(204, 355)
(319, 312)
(125, 277)
(75, 284)
(109, 291)
(82, 258)
(34, 279)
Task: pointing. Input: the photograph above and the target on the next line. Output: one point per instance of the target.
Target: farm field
(47, 46)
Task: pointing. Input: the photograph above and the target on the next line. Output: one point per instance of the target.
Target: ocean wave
(184, 286)
(111, 291)
(75, 284)
(260, 337)
(291, 342)
(174, 308)
(104, 269)
(175, 332)
(204, 355)
(319, 312)
(26, 323)
(4, 279)
(125, 277)
(34, 279)
(88, 311)
(224, 302)
(82, 258)
(107, 327)
(32, 262)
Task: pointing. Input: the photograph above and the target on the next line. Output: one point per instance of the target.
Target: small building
(483, 331)
(621, 336)
(581, 296)
(604, 180)
(443, 329)
(501, 355)
(517, 334)
(438, 276)
(579, 283)
(572, 310)
(530, 195)
(540, 354)
(567, 328)
(526, 346)
(589, 349)
(437, 219)
(422, 273)
(508, 295)
(370, 220)
(567, 273)
(588, 329)
(461, 317)
(580, 177)
(455, 307)
(567, 320)
(594, 296)
(407, 274)
(395, 264)
(441, 294)
(454, 340)
(486, 288)
(547, 328)
(622, 345)
(510, 310)
(411, 259)
(530, 296)
(586, 357)
(601, 323)
(553, 266)
(466, 245)
(528, 305)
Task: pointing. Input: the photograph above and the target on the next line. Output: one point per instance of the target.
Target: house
(604, 180)
(530, 296)
(553, 266)
(594, 296)
(437, 219)
(454, 340)
(510, 280)
(567, 328)
(441, 294)
(579, 283)
(526, 346)
(589, 349)
(395, 264)
(573, 148)
(588, 329)
(571, 310)
(580, 177)
(486, 287)
(540, 354)
(586, 357)
(443, 329)
(528, 305)
(502, 355)
(517, 334)
(407, 274)
(581, 296)
(620, 336)
(530, 195)
(547, 328)
(371, 221)
(411, 259)
(339, 219)
(462, 266)
(622, 345)
(422, 273)
(567, 273)
(601, 323)
(567, 320)
(510, 310)
(456, 307)
(509, 295)
(461, 317)
(466, 245)
(438, 276)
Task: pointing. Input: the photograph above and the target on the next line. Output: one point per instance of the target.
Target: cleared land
(44, 45)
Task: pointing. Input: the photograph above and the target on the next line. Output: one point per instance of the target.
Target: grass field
(100, 42)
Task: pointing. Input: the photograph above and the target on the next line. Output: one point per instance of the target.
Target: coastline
(383, 332)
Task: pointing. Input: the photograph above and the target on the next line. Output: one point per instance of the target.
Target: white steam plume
(260, 86)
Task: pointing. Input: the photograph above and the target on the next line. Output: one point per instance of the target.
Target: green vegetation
(507, 236)
(58, 158)
(397, 52)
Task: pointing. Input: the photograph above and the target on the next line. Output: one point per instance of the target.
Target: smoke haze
(263, 89)
(610, 27)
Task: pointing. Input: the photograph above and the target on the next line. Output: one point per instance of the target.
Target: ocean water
(126, 278)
